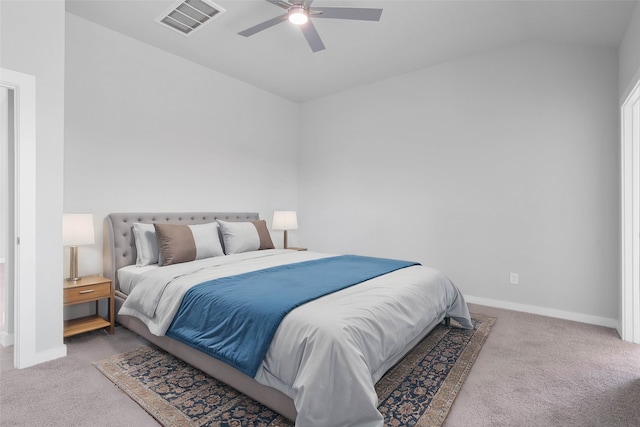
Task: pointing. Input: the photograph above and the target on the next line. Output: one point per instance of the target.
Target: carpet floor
(418, 391)
(533, 371)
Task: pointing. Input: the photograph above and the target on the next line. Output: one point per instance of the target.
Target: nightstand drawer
(87, 293)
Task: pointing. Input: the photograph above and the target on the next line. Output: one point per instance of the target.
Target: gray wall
(502, 162)
(630, 55)
(32, 42)
(148, 131)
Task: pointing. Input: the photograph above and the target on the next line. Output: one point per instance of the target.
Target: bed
(326, 355)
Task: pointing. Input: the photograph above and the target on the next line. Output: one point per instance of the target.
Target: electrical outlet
(514, 279)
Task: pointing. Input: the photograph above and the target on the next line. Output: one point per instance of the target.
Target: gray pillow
(183, 243)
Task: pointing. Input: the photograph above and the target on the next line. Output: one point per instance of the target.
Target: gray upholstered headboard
(119, 248)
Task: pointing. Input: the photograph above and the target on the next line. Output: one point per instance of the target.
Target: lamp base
(73, 264)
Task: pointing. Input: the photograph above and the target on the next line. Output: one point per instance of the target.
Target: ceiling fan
(300, 12)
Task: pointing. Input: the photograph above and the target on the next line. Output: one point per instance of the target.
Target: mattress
(130, 275)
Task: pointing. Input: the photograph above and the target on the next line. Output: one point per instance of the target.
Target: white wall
(503, 162)
(32, 42)
(149, 131)
(629, 53)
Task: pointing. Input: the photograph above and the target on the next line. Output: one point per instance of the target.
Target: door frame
(630, 216)
(23, 248)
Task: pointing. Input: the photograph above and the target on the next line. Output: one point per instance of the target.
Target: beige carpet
(533, 371)
(417, 391)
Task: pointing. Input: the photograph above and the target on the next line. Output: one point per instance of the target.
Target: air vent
(188, 16)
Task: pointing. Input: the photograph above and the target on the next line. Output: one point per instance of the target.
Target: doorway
(630, 207)
(7, 186)
(20, 209)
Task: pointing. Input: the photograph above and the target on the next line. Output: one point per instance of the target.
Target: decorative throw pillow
(182, 243)
(146, 244)
(245, 236)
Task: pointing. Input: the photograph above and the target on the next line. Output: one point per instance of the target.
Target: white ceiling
(411, 35)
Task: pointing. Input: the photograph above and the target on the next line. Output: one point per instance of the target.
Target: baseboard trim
(44, 356)
(543, 311)
(6, 339)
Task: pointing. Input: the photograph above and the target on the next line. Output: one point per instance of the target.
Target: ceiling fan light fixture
(298, 15)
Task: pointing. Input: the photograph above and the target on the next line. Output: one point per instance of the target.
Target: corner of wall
(629, 56)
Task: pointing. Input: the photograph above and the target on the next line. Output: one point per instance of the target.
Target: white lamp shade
(285, 220)
(77, 229)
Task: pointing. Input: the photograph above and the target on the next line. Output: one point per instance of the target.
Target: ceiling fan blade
(264, 25)
(357, 13)
(312, 36)
(281, 3)
(307, 3)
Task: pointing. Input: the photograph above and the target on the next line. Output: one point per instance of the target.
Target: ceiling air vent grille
(188, 16)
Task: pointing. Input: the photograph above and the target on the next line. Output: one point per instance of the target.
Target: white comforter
(327, 354)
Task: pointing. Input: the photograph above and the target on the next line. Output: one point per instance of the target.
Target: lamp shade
(77, 229)
(285, 220)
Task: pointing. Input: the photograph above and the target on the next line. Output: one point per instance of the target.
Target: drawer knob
(88, 291)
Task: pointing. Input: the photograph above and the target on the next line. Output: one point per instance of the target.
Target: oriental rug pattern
(418, 391)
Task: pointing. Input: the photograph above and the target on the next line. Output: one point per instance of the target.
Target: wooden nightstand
(87, 289)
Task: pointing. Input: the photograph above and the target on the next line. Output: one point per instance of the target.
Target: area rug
(418, 391)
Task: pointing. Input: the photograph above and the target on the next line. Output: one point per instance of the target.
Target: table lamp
(77, 229)
(285, 220)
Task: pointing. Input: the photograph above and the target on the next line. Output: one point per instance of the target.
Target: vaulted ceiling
(410, 35)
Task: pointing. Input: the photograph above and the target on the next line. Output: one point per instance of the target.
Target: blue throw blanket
(235, 318)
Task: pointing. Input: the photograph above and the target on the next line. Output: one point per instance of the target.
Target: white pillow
(146, 244)
(207, 240)
(245, 236)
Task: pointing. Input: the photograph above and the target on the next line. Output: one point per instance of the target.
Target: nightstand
(87, 289)
(297, 249)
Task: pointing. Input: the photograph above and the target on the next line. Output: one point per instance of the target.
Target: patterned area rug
(418, 391)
